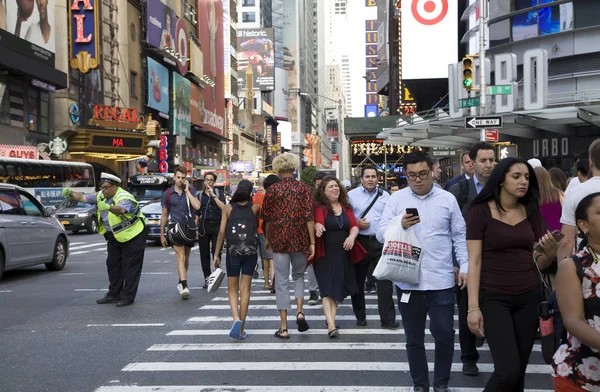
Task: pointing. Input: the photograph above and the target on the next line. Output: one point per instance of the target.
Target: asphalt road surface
(54, 337)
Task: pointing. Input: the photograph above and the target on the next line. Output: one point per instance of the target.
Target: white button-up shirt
(360, 199)
(442, 226)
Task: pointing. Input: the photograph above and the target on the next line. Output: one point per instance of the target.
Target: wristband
(473, 310)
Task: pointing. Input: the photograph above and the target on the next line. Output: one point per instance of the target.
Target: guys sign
(84, 35)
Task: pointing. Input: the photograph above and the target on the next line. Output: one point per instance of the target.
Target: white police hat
(105, 177)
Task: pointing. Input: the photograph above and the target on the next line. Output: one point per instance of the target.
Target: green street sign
(468, 102)
(505, 89)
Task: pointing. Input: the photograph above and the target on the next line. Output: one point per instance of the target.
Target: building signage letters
(163, 156)
(17, 151)
(115, 117)
(555, 147)
(83, 34)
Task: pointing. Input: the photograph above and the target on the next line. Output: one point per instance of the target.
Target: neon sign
(163, 156)
(83, 35)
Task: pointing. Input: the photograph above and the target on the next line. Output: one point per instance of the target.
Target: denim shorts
(243, 264)
(263, 252)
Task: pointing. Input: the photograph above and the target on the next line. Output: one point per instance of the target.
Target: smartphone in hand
(413, 211)
(557, 234)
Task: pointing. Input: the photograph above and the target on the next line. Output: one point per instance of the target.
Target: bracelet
(312, 243)
(473, 310)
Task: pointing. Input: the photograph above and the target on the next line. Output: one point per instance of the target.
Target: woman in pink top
(551, 199)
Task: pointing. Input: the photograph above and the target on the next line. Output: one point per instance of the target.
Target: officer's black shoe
(107, 300)
(470, 369)
(361, 323)
(123, 302)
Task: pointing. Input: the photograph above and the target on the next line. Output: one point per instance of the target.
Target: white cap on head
(346, 183)
(534, 162)
(106, 177)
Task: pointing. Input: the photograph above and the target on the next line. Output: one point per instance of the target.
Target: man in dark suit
(466, 164)
(482, 160)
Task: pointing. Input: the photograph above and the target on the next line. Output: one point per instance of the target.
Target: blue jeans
(439, 305)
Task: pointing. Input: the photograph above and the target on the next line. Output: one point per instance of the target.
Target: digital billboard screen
(256, 49)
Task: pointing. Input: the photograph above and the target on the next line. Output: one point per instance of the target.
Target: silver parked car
(29, 235)
(76, 215)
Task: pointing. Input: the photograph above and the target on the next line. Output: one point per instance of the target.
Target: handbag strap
(379, 193)
(544, 284)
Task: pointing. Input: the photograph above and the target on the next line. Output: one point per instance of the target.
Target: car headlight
(251, 58)
(83, 215)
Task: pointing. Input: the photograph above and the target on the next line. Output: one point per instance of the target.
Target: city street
(54, 337)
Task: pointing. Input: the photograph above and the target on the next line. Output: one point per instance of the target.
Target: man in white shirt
(572, 199)
(583, 171)
(438, 227)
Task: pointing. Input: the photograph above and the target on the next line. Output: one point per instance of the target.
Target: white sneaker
(183, 291)
(215, 279)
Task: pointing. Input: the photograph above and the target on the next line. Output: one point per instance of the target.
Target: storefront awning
(437, 129)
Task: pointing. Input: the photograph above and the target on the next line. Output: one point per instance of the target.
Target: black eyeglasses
(422, 175)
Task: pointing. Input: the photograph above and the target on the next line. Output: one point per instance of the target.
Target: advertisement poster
(210, 35)
(256, 49)
(196, 104)
(181, 106)
(30, 27)
(160, 31)
(196, 60)
(158, 86)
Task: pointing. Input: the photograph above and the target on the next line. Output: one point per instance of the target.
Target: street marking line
(127, 325)
(79, 252)
(303, 366)
(88, 246)
(203, 319)
(72, 274)
(225, 332)
(270, 297)
(157, 273)
(272, 307)
(260, 388)
(298, 346)
(89, 290)
(5, 291)
(277, 388)
(77, 243)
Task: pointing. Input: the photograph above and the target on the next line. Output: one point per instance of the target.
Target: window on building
(248, 17)
(39, 111)
(4, 101)
(248, 3)
(133, 84)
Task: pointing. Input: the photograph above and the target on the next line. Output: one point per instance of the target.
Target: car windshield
(152, 208)
(70, 203)
(146, 193)
(252, 46)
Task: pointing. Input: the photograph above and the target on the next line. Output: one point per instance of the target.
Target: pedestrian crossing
(98, 244)
(200, 356)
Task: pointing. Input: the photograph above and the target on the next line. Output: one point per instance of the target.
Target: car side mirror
(50, 211)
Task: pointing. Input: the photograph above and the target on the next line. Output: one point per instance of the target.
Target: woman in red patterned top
(576, 363)
(290, 231)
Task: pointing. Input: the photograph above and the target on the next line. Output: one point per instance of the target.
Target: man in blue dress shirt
(368, 201)
(438, 226)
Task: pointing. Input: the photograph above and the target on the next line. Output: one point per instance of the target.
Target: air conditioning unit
(257, 164)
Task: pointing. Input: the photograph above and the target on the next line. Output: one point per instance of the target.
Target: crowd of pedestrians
(490, 239)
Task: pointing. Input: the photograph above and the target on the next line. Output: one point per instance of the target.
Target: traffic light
(468, 71)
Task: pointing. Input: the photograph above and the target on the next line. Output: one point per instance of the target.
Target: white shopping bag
(401, 257)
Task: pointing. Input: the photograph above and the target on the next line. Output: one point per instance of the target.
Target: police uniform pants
(124, 264)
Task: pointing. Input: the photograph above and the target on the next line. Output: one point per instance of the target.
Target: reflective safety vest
(126, 226)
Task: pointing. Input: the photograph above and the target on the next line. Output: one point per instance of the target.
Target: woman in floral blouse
(576, 363)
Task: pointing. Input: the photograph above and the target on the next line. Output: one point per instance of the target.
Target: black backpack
(241, 230)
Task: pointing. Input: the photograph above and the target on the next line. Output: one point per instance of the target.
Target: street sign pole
(482, 72)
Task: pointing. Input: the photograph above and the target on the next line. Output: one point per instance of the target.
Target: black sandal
(333, 333)
(279, 335)
(301, 322)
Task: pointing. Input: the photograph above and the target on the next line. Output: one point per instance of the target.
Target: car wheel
(60, 256)
(93, 226)
(75, 231)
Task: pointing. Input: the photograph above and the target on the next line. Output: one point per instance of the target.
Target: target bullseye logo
(182, 46)
(429, 12)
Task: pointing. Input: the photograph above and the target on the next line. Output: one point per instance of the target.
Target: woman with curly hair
(336, 249)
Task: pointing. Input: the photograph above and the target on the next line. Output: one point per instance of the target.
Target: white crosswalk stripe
(361, 359)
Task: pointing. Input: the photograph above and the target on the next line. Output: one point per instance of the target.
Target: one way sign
(483, 122)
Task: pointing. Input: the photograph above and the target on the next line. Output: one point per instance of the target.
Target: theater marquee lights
(376, 147)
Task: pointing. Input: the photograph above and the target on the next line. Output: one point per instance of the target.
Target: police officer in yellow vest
(124, 228)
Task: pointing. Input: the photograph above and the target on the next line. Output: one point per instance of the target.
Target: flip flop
(234, 332)
(333, 333)
(301, 322)
(244, 336)
(279, 335)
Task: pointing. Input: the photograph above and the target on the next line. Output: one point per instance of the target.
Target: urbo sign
(163, 156)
